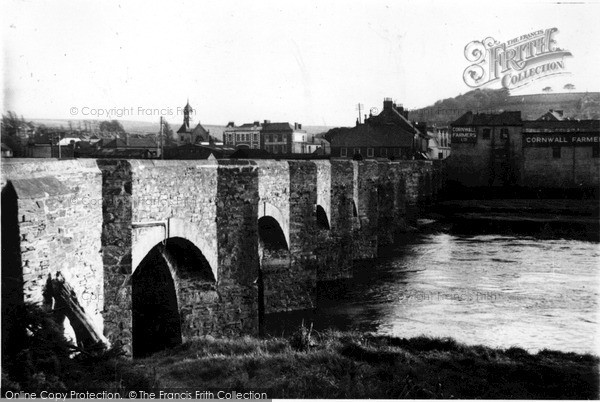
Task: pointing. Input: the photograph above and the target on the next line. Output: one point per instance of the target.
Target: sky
(305, 61)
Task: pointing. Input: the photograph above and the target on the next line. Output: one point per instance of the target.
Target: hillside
(577, 105)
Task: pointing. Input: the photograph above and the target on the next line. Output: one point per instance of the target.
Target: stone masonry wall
(116, 250)
(303, 232)
(365, 236)
(95, 221)
(237, 234)
(59, 215)
(334, 246)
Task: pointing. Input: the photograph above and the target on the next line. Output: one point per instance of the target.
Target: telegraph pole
(359, 107)
(161, 139)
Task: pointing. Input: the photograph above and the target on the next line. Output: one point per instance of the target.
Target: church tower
(186, 115)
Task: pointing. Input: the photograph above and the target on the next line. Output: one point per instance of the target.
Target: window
(504, 133)
(595, 151)
(383, 152)
(344, 152)
(370, 152)
(181, 138)
(283, 150)
(255, 137)
(356, 151)
(486, 133)
(440, 155)
(556, 152)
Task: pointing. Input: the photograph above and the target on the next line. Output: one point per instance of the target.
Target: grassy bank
(342, 365)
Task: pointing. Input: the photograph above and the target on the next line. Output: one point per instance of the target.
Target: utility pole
(359, 107)
(58, 143)
(161, 139)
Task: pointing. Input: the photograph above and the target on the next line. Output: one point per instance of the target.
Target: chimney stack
(388, 104)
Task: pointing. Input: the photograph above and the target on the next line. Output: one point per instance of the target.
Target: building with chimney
(246, 136)
(386, 135)
(275, 138)
(133, 147)
(284, 138)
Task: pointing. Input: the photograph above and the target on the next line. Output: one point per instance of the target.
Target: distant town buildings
(275, 138)
(500, 150)
(188, 134)
(387, 135)
(6, 151)
(439, 142)
(244, 136)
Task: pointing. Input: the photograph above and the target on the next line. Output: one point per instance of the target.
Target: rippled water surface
(496, 290)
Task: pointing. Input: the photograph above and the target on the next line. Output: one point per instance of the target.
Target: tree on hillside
(167, 130)
(547, 89)
(113, 126)
(569, 87)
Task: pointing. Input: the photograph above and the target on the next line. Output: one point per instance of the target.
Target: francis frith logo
(516, 62)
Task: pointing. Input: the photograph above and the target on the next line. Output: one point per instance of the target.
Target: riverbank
(547, 218)
(340, 365)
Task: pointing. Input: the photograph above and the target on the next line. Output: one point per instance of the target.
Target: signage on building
(561, 139)
(464, 135)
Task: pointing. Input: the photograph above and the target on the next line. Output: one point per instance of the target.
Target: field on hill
(576, 105)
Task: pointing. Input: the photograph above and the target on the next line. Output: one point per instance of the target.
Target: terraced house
(244, 136)
(386, 135)
(275, 138)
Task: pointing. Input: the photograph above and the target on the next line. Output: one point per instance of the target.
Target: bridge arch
(147, 236)
(164, 282)
(322, 219)
(270, 234)
(266, 209)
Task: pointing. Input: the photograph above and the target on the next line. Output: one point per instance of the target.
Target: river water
(497, 288)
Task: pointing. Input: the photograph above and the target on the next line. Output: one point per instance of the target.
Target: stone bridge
(163, 251)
